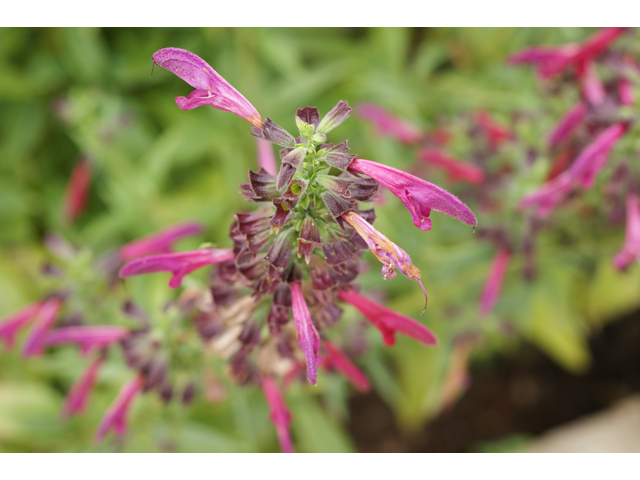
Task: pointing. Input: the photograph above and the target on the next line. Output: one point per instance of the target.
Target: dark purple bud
(188, 393)
(335, 117)
(309, 239)
(250, 334)
(290, 163)
(274, 133)
(321, 277)
(262, 185)
(156, 374)
(336, 205)
(362, 189)
(280, 251)
(309, 115)
(250, 223)
(339, 251)
(209, 325)
(277, 317)
(346, 272)
(282, 214)
(337, 156)
(166, 393)
(327, 313)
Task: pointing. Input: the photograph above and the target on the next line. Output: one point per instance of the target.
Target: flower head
(116, 416)
(78, 395)
(308, 338)
(210, 87)
(631, 249)
(159, 242)
(419, 196)
(179, 264)
(280, 416)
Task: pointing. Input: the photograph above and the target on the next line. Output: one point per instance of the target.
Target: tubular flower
(308, 338)
(77, 191)
(387, 321)
(45, 319)
(631, 249)
(456, 169)
(334, 358)
(492, 287)
(280, 416)
(116, 416)
(419, 196)
(567, 124)
(159, 242)
(388, 124)
(496, 133)
(10, 325)
(78, 395)
(210, 87)
(179, 264)
(87, 337)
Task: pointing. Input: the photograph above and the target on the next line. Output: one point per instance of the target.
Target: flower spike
(419, 196)
(210, 87)
(308, 337)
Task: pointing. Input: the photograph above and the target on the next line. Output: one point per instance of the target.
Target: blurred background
(561, 341)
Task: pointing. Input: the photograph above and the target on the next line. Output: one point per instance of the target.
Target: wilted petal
(387, 321)
(492, 287)
(159, 242)
(457, 170)
(179, 264)
(78, 395)
(419, 196)
(388, 124)
(266, 157)
(46, 318)
(567, 124)
(333, 357)
(87, 337)
(10, 325)
(211, 88)
(116, 416)
(631, 249)
(308, 337)
(77, 191)
(280, 416)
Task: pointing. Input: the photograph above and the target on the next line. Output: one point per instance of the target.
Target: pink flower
(457, 170)
(179, 264)
(87, 337)
(390, 255)
(497, 133)
(581, 173)
(45, 319)
(10, 325)
(419, 196)
(280, 416)
(334, 358)
(492, 287)
(77, 191)
(78, 395)
(631, 249)
(567, 124)
(388, 124)
(159, 242)
(387, 321)
(116, 416)
(308, 337)
(210, 87)
(266, 158)
(592, 87)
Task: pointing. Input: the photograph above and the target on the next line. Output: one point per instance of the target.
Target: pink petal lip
(419, 196)
(179, 264)
(387, 321)
(116, 415)
(280, 416)
(159, 242)
(308, 337)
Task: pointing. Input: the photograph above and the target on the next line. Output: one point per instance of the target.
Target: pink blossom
(308, 337)
(280, 416)
(419, 196)
(179, 264)
(497, 133)
(493, 285)
(45, 319)
(631, 249)
(266, 158)
(10, 325)
(567, 124)
(592, 87)
(388, 124)
(78, 395)
(333, 357)
(116, 415)
(625, 91)
(87, 337)
(456, 169)
(210, 87)
(387, 321)
(159, 242)
(77, 191)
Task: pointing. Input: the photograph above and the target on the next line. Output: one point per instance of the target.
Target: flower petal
(308, 337)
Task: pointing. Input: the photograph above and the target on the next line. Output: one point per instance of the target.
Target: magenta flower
(280, 416)
(496, 133)
(493, 285)
(10, 325)
(388, 124)
(179, 264)
(581, 173)
(390, 255)
(266, 158)
(419, 196)
(387, 321)
(592, 87)
(45, 319)
(78, 395)
(561, 132)
(334, 358)
(116, 416)
(210, 87)
(308, 337)
(159, 242)
(631, 249)
(87, 337)
(457, 170)
(77, 191)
